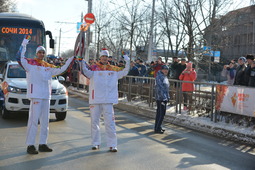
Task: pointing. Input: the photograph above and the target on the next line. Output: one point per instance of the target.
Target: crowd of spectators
(241, 72)
(56, 61)
(237, 72)
(140, 68)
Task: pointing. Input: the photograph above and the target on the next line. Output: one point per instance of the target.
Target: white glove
(126, 58)
(25, 42)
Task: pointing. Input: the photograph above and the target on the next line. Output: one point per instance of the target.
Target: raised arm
(22, 52)
(57, 71)
(88, 73)
(125, 71)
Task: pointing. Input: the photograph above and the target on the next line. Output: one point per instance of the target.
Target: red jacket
(191, 76)
(157, 67)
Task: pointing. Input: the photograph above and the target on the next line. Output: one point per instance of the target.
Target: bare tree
(131, 19)
(196, 15)
(173, 29)
(66, 54)
(7, 6)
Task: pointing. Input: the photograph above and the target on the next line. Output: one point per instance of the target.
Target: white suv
(14, 87)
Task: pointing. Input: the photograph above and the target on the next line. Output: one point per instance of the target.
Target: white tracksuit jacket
(103, 87)
(39, 77)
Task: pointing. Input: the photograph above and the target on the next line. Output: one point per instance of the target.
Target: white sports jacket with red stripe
(39, 77)
(103, 87)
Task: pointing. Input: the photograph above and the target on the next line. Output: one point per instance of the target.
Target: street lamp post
(88, 34)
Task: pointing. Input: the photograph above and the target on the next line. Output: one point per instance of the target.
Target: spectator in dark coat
(143, 69)
(252, 75)
(110, 61)
(240, 72)
(247, 71)
(134, 70)
(174, 66)
(180, 67)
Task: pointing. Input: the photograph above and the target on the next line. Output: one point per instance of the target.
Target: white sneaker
(113, 149)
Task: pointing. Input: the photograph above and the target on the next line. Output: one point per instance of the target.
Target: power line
(65, 22)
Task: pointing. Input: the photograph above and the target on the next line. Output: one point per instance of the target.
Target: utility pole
(59, 42)
(151, 32)
(88, 34)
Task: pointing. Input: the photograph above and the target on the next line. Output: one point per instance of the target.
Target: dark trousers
(161, 111)
(187, 98)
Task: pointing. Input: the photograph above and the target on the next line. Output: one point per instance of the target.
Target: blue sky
(51, 12)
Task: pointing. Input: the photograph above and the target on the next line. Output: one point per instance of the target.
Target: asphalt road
(138, 147)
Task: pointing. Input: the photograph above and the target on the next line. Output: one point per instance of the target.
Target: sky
(56, 15)
(64, 14)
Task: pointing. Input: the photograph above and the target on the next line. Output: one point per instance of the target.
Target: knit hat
(104, 52)
(189, 66)
(249, 56)
(164, 67)
(40, 48)
(242, 58)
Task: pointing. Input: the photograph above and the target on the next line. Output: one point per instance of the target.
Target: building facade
(233, 34)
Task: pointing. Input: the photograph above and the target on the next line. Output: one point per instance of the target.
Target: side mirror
(52, 43)
(61, 79)
(51, 40)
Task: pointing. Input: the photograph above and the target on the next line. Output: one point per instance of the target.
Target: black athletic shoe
(159, 131)
(31, 149)
(163, 130)
(44, 148)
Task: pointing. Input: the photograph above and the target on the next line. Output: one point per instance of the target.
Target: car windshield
(16, 71)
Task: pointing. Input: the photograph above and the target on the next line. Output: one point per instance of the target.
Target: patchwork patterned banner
(233, 99)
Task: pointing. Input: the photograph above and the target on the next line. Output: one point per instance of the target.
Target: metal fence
(201, 104)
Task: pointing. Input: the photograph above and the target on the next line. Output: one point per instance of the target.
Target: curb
(237, 133)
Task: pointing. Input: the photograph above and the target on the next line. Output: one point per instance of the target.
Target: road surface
(138, 147)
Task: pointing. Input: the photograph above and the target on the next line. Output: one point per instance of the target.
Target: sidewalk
(202, 124)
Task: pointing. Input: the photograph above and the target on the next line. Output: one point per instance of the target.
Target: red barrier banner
(235, 99)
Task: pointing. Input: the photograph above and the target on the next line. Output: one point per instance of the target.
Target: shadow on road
(196, 144)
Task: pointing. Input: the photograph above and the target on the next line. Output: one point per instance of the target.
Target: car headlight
(61, 91)
(13, 89)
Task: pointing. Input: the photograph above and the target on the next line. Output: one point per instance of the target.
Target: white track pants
(95, 113)
(39, 110)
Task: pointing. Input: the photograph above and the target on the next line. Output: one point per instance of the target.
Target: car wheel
(60, 115)
(5, 113)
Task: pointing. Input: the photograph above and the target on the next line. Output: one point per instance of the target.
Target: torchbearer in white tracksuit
(103, 93)
(39, 74)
